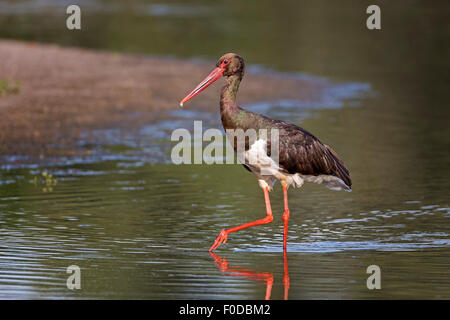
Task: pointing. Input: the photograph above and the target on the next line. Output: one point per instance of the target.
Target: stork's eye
(226, 62)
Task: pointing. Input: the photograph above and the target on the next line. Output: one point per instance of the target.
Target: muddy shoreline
(65, 93)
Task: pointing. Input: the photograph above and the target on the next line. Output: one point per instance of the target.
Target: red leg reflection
(285, 275)
(238, 271)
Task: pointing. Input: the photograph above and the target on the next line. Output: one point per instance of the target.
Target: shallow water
(140, 227)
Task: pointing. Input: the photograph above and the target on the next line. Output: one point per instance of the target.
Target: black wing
(301, 152)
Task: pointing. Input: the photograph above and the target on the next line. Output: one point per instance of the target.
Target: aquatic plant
(47, 180)
(7, 88)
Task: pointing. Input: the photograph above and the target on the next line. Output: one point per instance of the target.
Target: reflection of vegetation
(47, 180)
(7, 88)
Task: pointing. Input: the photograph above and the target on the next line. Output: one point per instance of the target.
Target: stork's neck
(228, 95)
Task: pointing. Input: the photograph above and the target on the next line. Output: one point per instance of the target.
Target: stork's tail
(341, 170)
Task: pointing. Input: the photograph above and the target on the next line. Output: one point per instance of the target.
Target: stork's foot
(221, 238)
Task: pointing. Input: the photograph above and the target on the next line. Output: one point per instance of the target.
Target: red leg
(285, 216)
(285, 220)
(223, 235)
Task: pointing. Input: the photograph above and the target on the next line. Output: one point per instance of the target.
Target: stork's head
(228, 65)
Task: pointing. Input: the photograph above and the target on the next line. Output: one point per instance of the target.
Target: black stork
(301, 156)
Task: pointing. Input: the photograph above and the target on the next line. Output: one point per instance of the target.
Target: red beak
(213, 76)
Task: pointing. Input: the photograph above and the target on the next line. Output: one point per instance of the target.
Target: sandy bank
(65, 93)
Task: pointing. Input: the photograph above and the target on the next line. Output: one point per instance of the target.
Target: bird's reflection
(267, 276)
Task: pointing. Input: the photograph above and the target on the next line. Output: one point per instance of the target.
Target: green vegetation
(47, 180)
(7, 88)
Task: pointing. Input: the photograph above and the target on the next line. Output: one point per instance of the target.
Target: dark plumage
(299, 151)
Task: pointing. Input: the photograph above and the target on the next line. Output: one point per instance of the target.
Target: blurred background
(139, 226)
